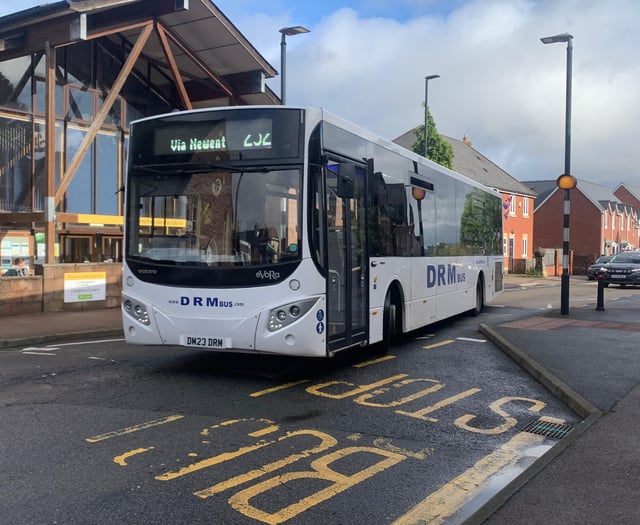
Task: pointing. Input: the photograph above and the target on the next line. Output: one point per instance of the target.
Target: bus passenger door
(347, 267)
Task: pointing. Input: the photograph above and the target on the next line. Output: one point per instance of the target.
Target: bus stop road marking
(449, 498)
(135, 428)
(374, 361)
(436, 345)
(279, 387)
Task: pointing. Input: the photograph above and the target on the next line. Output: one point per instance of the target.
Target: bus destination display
(207, 136)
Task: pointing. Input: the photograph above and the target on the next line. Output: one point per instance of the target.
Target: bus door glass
(347, 267)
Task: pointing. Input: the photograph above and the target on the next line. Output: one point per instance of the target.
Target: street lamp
(566, 181)
(286, 31)
(426, 110)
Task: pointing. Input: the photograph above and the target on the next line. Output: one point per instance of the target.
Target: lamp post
(426, 110)
(566, 181)
(286, 31)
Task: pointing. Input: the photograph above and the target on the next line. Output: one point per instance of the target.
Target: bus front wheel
(388, 326)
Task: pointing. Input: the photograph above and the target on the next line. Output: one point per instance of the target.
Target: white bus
(290, 231)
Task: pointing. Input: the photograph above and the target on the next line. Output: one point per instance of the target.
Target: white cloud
(499, 84)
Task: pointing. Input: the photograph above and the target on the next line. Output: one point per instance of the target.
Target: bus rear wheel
(477, 309)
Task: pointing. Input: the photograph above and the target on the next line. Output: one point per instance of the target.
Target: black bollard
(600, 303)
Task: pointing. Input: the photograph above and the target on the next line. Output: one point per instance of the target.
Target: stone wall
(20, 295)
(89, 286)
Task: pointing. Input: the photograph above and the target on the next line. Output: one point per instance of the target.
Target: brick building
(600, 222)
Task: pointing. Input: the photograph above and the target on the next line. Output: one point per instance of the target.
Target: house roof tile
(470, 162)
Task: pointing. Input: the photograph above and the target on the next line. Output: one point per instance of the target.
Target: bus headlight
(288, 313)
(137, 311)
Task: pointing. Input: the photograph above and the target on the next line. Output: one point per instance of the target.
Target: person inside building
(19, 268)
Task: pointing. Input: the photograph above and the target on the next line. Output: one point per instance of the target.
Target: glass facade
(85, 73)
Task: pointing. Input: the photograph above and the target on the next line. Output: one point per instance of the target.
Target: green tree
(438, 149)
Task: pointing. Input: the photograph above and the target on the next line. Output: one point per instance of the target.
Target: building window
(512, 208)
(504, 246)
(525, 242)
(525, 206)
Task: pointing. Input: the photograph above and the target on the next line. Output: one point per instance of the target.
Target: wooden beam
(103, 112)
(184, 96)
(194, 58)
(20, 219)
(50, 154)
(56, 31)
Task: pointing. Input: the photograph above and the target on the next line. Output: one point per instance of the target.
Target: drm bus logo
(443, 275)
(209, 302)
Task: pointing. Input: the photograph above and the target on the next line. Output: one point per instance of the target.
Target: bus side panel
(382, 272)
(456, 281)
(493, 285)
(422, 304)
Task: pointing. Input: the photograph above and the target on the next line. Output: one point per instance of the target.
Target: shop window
(80, 105)
(79, 195)
(15, 165)
(15, 83)
(107, 174)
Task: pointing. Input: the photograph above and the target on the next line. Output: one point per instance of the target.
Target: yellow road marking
(135, 428)
(386, 444)
(279, 387)
(420, 414)
(375, 361)
(449, 498)
(122, 458)
(436, 345)
(215, 460)
(325, 442)
(320, 470)
(264, 431)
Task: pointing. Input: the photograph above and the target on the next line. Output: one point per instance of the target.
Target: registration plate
(615, 276)
(203, 341)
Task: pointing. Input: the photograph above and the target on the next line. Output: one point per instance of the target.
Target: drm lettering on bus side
(443, 275)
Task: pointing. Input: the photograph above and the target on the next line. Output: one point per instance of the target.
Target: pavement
(590, 359)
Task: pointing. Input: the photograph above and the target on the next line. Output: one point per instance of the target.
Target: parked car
(599, 263)
(622, 269)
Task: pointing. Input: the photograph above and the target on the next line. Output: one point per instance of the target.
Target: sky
(499, 85)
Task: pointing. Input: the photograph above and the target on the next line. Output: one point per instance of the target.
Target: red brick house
(600, 222)
(517, 199)
(629, 195)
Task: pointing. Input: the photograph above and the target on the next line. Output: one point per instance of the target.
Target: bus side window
(398, 212)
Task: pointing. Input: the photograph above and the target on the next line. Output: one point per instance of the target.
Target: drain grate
(548, 429)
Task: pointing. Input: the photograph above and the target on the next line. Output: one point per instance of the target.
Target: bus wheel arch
(479, 296)
(391, 318)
